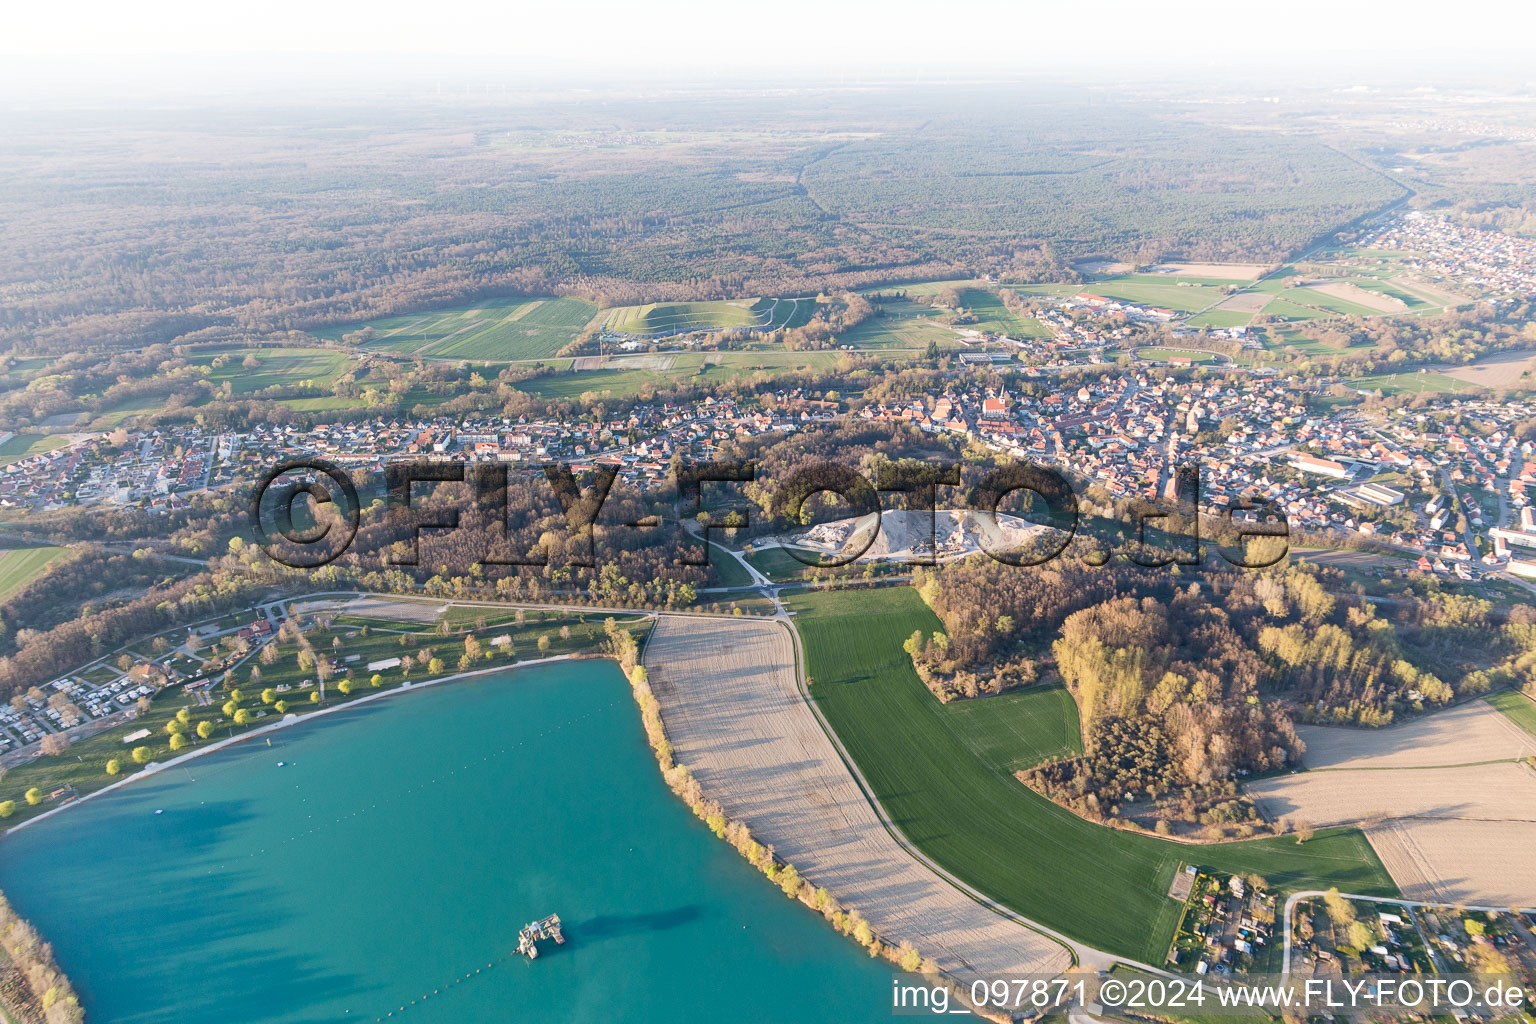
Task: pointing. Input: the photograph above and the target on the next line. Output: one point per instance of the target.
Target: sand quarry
(732, 709)
(1446, 801)
(910, 535)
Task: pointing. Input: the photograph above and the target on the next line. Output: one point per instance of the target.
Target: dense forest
(134, 229)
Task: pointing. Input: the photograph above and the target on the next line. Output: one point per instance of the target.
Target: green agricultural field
(1282, 338)
(727, 571)
(1019, 729)
(21, 446)
(1195, 293)
(666, 317)
(766, 363)
(1411, 383)
(1332, 303)
(1221, 318)
(907, 308)
(1285, 309)
(943, 774)
(1520, 708)
(880, 332)
(1058, 290)
(597, 383)
(777, 564)
(276, 367)
(491, 330)
(662, 317)
(786, 312)
(626, 377)
(20, 566)
(127, 409)
(1410, 299)
(928, 289)
(995, 318)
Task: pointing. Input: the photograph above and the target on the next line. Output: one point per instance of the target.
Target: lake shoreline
(286, 722)
(471, 770)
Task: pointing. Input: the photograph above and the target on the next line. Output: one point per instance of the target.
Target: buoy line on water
(423, 785)
(441, 990)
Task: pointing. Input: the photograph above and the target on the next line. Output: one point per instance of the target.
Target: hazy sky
(97, 39)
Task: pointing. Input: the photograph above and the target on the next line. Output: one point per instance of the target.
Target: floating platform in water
(528, 938)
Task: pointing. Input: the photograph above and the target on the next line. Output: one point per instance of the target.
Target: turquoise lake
(387, 868)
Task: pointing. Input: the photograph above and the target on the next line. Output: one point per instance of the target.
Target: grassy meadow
(1180, 294)
(667, 317)
(491, 330)
(1519, 708)
(1411, 383)
(277, 367)
(21, 446)
(20, 566)
(624, 376)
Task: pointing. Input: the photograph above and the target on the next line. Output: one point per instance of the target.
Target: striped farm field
(662, 318)
(20, 566)
(491, 330)
(943, 773)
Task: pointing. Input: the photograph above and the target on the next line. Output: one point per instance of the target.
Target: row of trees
(32, 987)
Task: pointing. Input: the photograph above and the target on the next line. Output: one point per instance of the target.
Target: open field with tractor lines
(666, 318)
(275, 367)
(20, 566)
(493, 330)
(1460, 735)
(1497, 370)
(1446, 800)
